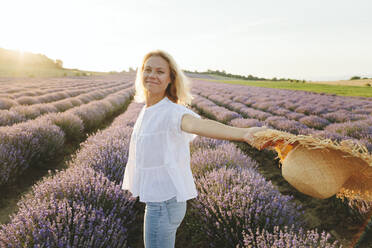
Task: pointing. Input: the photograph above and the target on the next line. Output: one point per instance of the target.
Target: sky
(310, 40)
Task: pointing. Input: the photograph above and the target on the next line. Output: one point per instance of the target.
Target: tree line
(242, 77)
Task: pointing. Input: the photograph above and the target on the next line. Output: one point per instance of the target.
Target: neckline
(161, 102)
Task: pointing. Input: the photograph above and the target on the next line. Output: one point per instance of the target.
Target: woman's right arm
(217, 130)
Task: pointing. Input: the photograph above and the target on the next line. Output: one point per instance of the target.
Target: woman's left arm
(216, 130)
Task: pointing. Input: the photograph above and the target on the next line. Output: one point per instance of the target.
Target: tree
(59, 63)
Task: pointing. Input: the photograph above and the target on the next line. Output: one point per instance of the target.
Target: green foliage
(229, 75)
(366, 238)
(59, 63)
(354, 78)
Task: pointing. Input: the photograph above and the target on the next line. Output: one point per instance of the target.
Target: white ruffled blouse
(158, 166)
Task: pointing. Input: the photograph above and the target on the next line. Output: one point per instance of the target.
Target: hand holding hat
(319, 167)
(249, 136)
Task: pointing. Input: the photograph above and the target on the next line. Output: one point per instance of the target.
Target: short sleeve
(182, 110)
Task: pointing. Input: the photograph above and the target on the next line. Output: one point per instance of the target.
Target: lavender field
(243, 201)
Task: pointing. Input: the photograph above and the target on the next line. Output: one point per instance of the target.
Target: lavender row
(10, 101)
(359, 131)
(14, 88)
(14, 92)
(84, 191)
(107, 151)
(238, 114)
(316, 103)
(211, 110)
(22, 113)
(235, 201)
(78, 207)
(298, 123)
(38, 141)
(287, 237)
(296, 104)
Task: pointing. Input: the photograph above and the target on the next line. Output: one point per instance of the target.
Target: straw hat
(319, 167)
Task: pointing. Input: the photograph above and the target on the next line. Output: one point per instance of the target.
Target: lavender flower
(223, 156)
(287, 237)
(233, 200)
(314, 121)
(74, 208)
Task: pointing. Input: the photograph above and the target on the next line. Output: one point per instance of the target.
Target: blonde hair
(178, 91)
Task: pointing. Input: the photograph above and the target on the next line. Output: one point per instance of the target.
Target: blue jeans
(161, 222)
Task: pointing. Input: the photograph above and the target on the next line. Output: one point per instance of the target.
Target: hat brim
(359, 186)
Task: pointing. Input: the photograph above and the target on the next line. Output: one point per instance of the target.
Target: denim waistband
(173, 199)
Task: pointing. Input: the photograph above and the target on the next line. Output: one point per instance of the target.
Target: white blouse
(158, 166)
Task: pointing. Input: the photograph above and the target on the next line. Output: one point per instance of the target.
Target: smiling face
(156, 75)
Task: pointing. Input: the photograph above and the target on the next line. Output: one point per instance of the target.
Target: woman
(158, 168)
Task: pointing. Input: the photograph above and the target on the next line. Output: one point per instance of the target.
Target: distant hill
(25, 64)
(21, 59)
